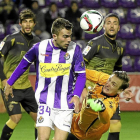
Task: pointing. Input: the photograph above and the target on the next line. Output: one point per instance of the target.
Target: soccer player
(60, 80)
(99, 106)
(12, 48)
(105, 54)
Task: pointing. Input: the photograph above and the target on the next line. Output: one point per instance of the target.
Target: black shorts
(25, 97)
(116, 116)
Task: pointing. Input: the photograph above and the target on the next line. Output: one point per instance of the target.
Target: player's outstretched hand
(8, 91)
(76, 102)
(96, 104)
(127, 94)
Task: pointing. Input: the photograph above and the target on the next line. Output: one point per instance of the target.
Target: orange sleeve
(97, 77)
(106, 115)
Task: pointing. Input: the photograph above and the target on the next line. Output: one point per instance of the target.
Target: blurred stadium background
(128, 36)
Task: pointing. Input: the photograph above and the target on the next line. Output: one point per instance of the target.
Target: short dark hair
(59, 24)
(52, 3)
(74, 2)
(111, 15)
(26, 14)
(123, 76)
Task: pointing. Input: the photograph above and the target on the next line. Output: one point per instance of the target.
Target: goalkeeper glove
(96, 105)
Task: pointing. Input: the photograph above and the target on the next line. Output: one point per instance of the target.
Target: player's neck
(110, 36)
(54, 43)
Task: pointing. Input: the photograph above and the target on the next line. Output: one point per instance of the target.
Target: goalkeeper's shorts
(117, 116)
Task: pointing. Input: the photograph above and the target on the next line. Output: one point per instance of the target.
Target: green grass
(25, 129)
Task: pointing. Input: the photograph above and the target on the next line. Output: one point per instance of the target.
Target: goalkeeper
(99, 106)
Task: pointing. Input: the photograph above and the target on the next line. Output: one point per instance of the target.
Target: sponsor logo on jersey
(41, 119)
(110, 104)
(105, 47)
(82, 64)
(20, 43)
(67, 56)
(1, 45)
(66, 125)
(86, 50)
(49, 70)
(45, 54)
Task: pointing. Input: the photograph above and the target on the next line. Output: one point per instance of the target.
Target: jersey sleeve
(90, 51)
(80, 72)
(107, 114)
(96, 77)
(79, 64)
(30, 56)
(6, 44)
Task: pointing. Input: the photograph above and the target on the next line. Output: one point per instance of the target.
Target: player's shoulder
(98, 38)
(44, 42)
(73, 45)
(11, 36)
(119, 44)
(96, 41)
(36, 38)
(15, 34)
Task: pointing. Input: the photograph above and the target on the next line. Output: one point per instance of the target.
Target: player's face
(27, 25)
(111, 88)
(111, 26)
(63, 39)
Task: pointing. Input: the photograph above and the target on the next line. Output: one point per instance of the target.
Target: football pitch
(25, 129)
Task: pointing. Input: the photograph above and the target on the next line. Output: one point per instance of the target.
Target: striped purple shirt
(56, 72)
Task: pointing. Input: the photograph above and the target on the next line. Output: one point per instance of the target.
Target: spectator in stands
(51, 15)
(27, 3)
(8, 12)
(40, 27)
(73, 14)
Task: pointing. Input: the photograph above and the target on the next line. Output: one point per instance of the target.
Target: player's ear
(54, 36)
(104, 27)
(19, 23)
(119, 28)
(120, 91)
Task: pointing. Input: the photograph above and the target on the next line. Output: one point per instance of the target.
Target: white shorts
(51, 117)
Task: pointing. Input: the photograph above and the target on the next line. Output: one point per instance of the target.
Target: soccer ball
(91, 21)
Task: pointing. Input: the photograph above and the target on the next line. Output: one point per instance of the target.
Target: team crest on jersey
(91, 43)
(118, 50)
(110, 104)
(41, 119)
(86, 50)
(67, 56)
(82, 64)
(1, 45)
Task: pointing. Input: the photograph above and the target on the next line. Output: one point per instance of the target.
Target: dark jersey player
(12, 49)
(104, 54)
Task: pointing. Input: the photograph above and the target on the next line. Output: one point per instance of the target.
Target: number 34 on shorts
(43, 112)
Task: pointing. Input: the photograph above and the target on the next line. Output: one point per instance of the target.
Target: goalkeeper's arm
(98, 106)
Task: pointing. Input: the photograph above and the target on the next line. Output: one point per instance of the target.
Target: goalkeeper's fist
(96, 105)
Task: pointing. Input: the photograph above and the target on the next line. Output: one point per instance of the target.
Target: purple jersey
(56, 70)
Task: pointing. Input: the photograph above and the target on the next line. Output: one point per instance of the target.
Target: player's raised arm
(96, 77)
